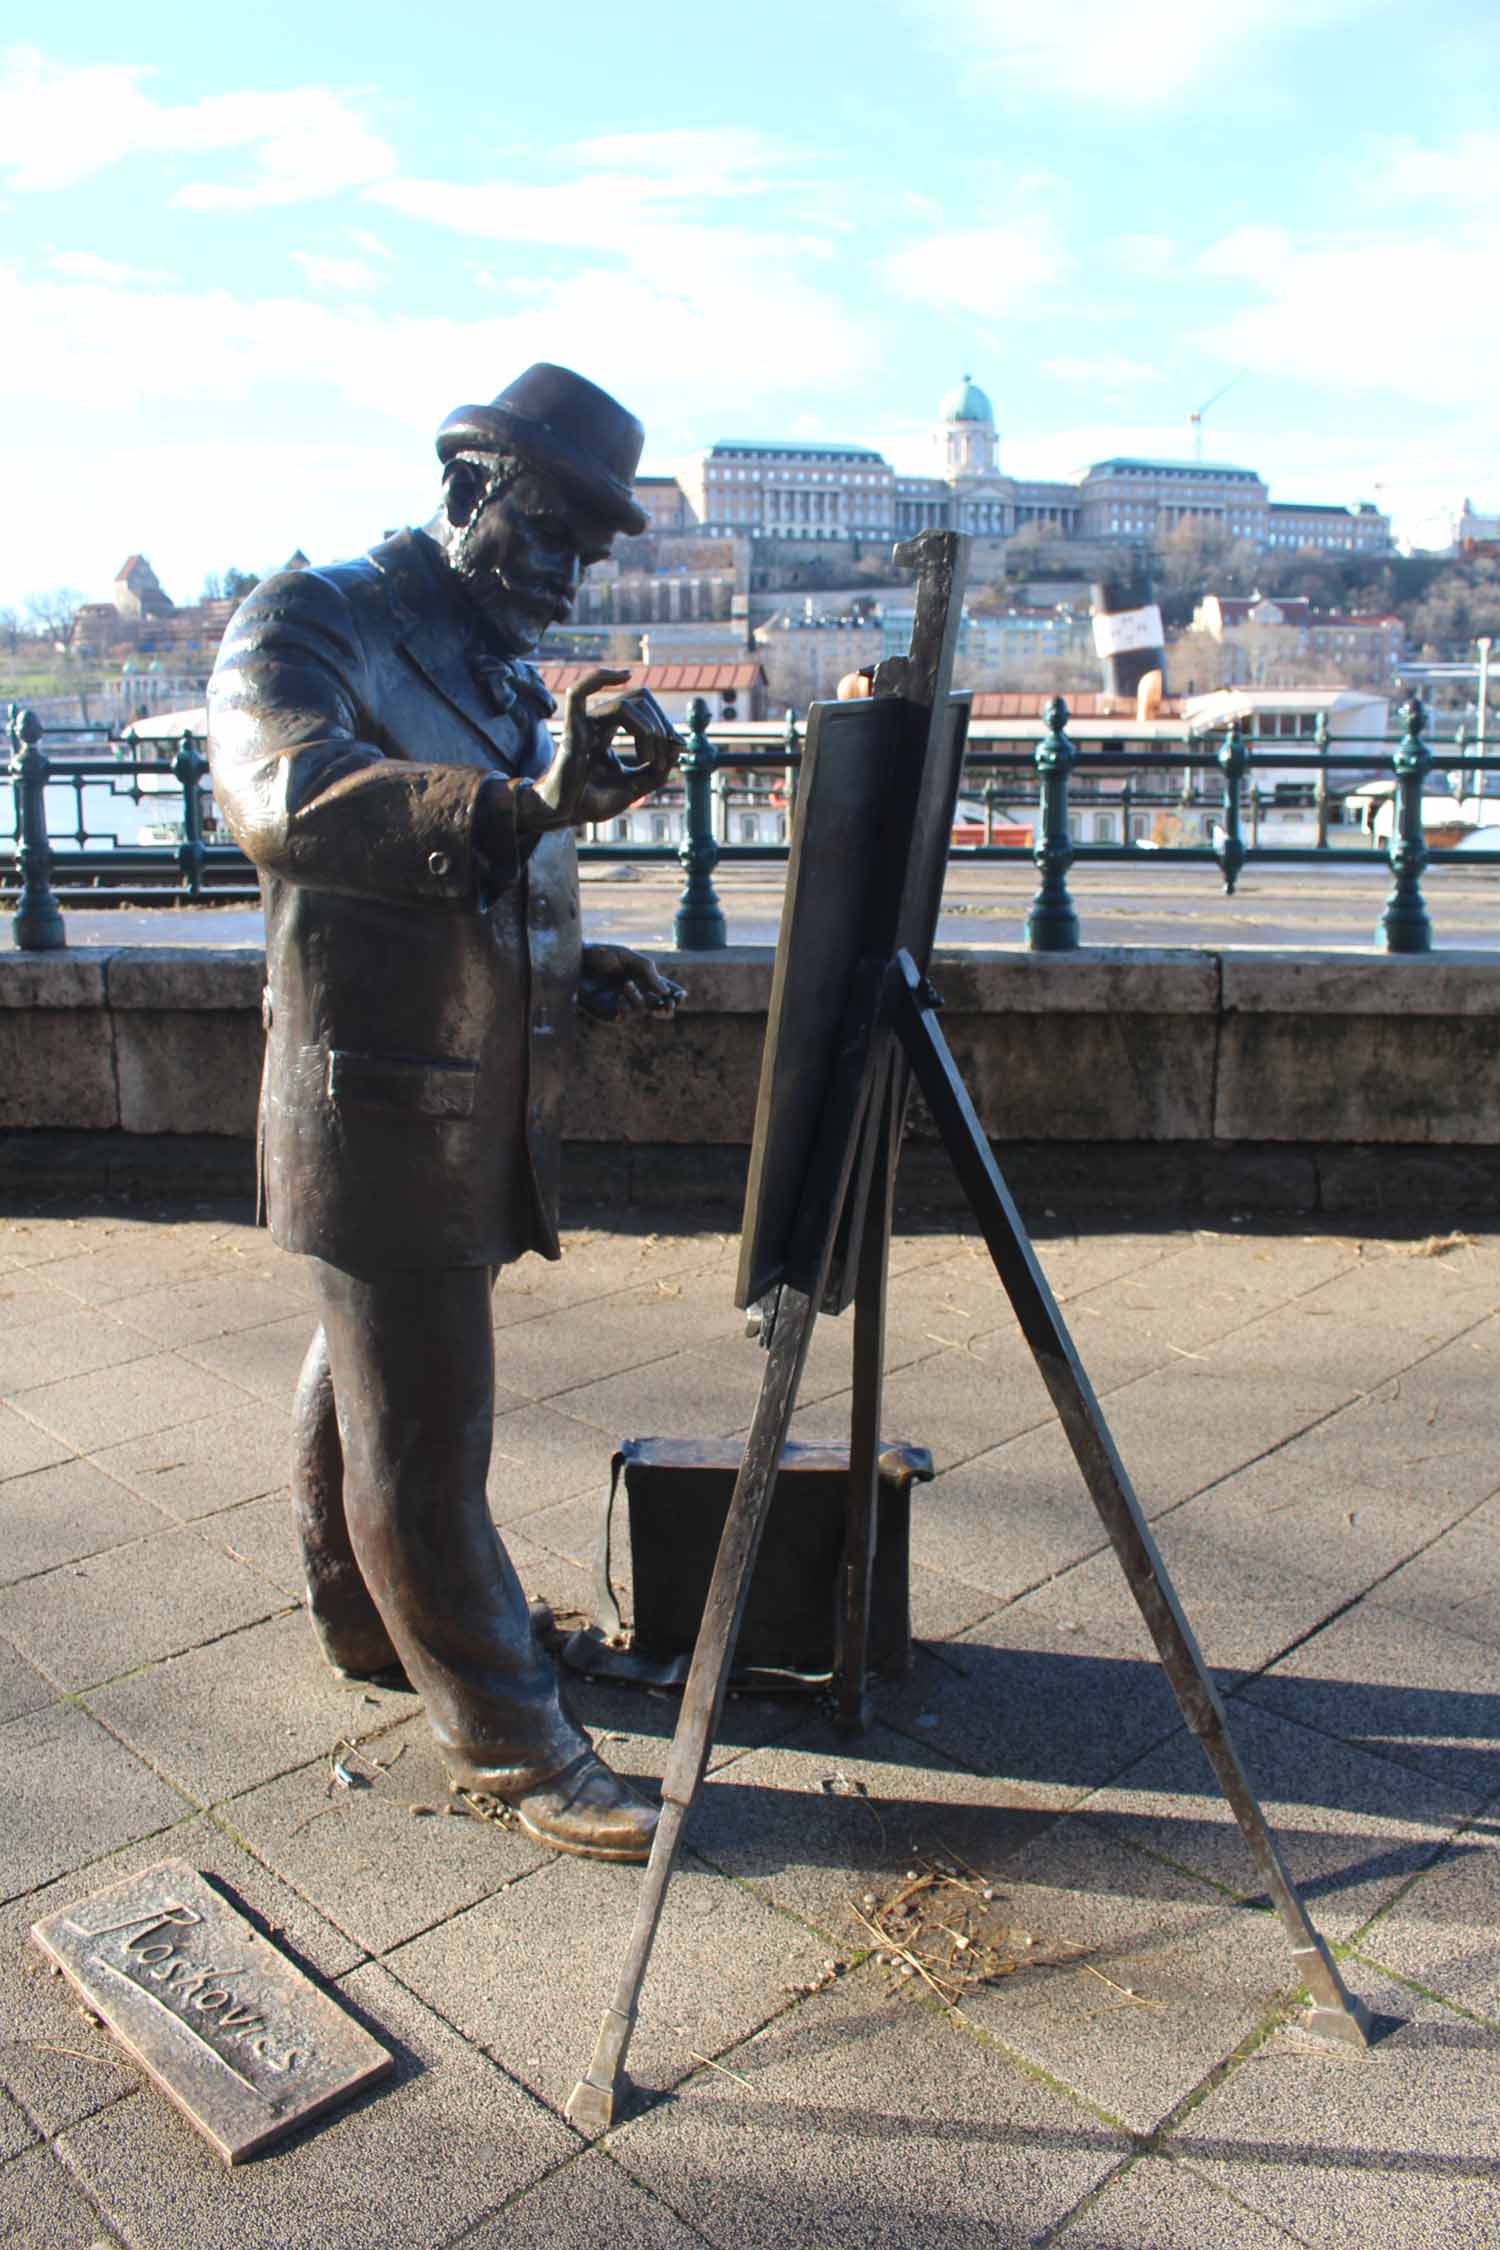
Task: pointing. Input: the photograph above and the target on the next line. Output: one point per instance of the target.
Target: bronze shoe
(588, 1810)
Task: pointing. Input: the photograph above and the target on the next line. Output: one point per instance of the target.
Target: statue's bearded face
(522, 552)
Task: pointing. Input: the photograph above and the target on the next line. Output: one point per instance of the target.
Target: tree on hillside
(53, 614)
(10, 629)
(228, 585)
(1457, 607)
(1193, 558)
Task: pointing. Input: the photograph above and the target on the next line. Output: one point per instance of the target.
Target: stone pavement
(1311, 1424)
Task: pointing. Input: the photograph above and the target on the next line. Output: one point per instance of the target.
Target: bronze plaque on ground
(245, 2045)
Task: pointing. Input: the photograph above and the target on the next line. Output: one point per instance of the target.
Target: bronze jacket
(419, 1003)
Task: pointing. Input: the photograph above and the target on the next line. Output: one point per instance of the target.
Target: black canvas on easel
(852, 1018)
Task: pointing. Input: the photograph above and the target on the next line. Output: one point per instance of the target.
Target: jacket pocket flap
(407, 1089)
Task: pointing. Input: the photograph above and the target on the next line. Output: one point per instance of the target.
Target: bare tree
(54, 614)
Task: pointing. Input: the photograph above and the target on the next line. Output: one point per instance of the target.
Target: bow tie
(507, 681)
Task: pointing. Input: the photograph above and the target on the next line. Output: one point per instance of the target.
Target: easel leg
(594, 2100)
(1336, 2013)
(852, 1707)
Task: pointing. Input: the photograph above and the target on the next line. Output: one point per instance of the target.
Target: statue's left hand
(613, 981)
(615, 783)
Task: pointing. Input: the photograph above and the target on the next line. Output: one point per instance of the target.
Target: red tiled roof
(997, 703)
(662, 679)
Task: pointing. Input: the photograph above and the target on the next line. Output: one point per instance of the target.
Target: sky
(250, 259)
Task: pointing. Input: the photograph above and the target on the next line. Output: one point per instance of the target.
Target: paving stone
(1351, 1828)
(1343, 2148)
(42, 2209)
(1009, 1518)
(567, 1587)
(198, 1467)
(89, 1621)
(1380, 1443)
(27, 1297)
(944, 1607)
(261, 1533)
(1420, 1292)
(1454, 1583)
(74, 1342)
(23, 1447)
(1443, 1930)
(360, 1855)
(61, 2068)
(216, 1303)
(690, 1394)
(1243, 1609)
(551, 1356)
(61, 1514)
(22, 1687)
(129, 1262)
(1389, 1684)
(1166, 2205)
(633, 1727)
(16, 2131)
(90, 1412)
(956, 1403)
(543, 1454)
(265, 1361)
(718, 1971)
(413, 2162)
(816, 1823)
(1171, 1977)
(1313, 1341)
(1185, 1426)
(73, 1793)
(846, 2135)
(249, 1706)
(1019, 1697)
(580, 2205)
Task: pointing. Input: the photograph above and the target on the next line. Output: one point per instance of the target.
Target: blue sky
(249, 260)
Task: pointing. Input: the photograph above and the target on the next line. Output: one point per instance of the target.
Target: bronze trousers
(391, 1446)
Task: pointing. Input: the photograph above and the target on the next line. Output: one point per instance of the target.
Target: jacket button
(438, 863)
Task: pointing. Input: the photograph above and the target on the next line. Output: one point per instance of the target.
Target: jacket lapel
(431, 638)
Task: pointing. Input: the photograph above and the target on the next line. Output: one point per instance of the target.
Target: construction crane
(1195, 419)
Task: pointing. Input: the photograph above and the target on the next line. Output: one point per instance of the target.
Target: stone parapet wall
(1237, 1066)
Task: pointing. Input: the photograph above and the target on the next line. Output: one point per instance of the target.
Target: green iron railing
(55, 845)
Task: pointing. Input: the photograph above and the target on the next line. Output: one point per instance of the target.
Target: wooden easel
(817, 1233)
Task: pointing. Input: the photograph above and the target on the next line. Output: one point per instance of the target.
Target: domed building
(969, 492)
(966, 432)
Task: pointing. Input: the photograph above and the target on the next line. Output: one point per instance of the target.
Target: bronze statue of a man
(379, 749)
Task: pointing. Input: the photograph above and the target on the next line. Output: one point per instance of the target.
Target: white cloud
(983, 271)
(350, 277)
(62, 123)
(1134, 55)
(89, 340)
(85, 265)
(1107, 371)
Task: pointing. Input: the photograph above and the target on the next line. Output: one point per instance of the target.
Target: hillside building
(775, 489)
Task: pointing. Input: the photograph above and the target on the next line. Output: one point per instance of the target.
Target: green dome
(966, 402)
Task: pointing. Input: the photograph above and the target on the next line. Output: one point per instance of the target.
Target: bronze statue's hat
(564, 424)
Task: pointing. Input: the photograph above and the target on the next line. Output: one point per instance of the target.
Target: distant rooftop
(792, 445)
(1192, 468)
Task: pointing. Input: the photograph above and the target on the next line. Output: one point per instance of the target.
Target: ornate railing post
(1052, 925)
(1320, 787)
(991, 799)
(1404, 927)
(792, 742)
(699, 924)
(1233, 761)
(190, 766)
(37, 922)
